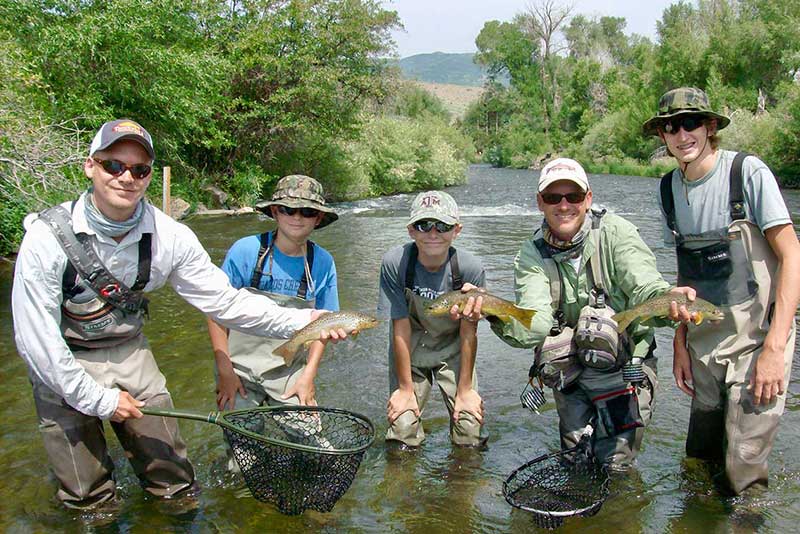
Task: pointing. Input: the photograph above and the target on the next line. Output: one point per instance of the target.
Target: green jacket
(631, 277)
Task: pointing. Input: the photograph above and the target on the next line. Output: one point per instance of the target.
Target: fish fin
(699, 319)
(525, 317)
(286, 351)
(623, 320)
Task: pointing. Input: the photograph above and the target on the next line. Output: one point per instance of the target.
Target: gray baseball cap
(120, 129)
(435, 205)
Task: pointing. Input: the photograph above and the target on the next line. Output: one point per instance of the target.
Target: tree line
(235, 93)
(581, 87)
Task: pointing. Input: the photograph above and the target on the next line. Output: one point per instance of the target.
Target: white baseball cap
(563, 169)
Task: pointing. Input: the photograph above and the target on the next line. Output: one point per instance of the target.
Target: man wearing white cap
(79, 307)
(576, 271)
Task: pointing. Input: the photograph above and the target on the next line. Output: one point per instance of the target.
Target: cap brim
(651, 126)
(328, 217)
(447, 219)
(549, 181)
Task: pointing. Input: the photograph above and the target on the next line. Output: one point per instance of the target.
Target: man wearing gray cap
(79, 306)
(423, 348)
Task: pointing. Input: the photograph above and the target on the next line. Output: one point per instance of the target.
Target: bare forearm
(219, 344)
(314, 358)
(784, 243)
(469, 349)
(402, 353)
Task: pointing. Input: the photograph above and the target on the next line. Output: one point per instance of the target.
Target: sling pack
(455, 273)
(267, 240)
(83, 262)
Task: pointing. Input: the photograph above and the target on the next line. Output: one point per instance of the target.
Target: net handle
(211, 417)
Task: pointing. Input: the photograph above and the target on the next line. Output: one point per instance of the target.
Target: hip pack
(556, 361)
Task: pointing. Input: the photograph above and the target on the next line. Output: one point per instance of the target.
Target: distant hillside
(438, 67)
(456, 98)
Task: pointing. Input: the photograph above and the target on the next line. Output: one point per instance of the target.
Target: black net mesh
(557, 486)
(302, 457)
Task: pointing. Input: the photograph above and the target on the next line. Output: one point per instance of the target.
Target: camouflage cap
(299, 191)
(435, 205)
(680, 101)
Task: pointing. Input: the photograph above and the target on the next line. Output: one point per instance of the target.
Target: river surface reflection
(437, 489)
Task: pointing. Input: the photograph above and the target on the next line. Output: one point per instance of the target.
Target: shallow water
(438, 489)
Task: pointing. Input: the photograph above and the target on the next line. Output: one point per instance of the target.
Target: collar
(81, 226)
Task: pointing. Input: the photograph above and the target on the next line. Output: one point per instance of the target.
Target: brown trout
(494, 306)
(659, 307)
(350, 322)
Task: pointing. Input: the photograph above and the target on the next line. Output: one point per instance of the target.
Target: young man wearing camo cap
(735, 245)
(423, 348)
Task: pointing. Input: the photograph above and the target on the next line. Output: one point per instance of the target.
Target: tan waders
(76, 443)
(435, 355)
(725, 424)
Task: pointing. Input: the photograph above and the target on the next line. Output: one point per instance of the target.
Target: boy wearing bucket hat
(424, 348)
(79, 307)
(736, 246)
(293, 271)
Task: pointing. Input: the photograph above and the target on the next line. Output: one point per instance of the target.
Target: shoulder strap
(303, 289)
(411, 266)
(554, 277)
(737, 187)
(263, 252)
(595, 265)
(455, 273)
(88, 266)
(667, 201)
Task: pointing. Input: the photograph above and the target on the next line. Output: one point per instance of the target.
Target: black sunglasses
(305, 212)
(115, 168)
(689, 123)
(427, 226)
(575, 197)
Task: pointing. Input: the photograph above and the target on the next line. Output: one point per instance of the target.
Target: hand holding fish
(472, 307)
(678, 308)
(332, 335)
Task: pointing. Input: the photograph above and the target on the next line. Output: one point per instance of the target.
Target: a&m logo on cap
(430, 201)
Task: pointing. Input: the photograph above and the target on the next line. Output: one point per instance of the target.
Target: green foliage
(415, 102)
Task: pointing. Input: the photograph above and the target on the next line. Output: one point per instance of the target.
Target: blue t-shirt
(287, 271)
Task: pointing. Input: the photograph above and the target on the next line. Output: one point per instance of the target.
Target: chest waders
(101, 313)
(582, 362)
(252, 356)
(435, 354)
(734, 268)
(97, 310)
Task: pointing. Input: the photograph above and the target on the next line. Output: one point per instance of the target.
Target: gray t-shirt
(430, 285)
(704, 205)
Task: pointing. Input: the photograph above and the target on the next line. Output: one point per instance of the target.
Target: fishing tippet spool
(633, 371)
(532, 397)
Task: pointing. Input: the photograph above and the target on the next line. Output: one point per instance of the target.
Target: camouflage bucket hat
(684, 100)
(299, 191)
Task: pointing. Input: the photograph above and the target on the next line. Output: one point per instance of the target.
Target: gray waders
(101, 322)
(265, 376)
(435, 355)
(735, 269)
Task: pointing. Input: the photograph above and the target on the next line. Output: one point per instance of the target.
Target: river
(438, 489)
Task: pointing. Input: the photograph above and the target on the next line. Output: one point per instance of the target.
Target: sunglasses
(689, 123)
(116, 168)
(304, 212)
(427, 226)
(575, 197)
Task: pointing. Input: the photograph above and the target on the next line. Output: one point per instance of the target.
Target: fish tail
(525, 317)
(624, 319)
(286, 351)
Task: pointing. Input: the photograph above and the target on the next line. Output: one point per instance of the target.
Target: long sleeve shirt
(178, 258)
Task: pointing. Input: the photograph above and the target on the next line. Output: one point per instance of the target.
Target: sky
(452, 25)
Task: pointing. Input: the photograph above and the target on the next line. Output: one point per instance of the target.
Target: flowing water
(437, 489)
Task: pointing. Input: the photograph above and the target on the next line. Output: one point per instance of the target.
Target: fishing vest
(593, 340)
(251, 356)
(433, 339)
(97, 310)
